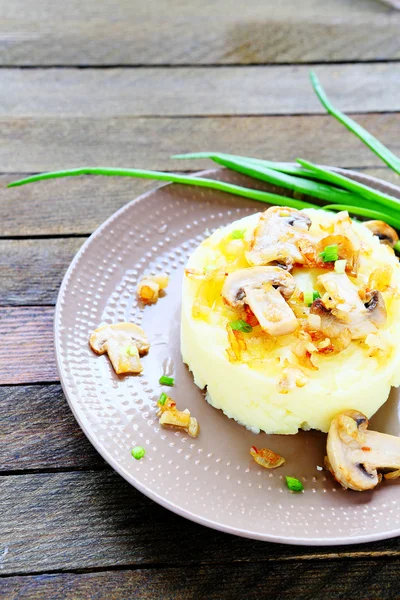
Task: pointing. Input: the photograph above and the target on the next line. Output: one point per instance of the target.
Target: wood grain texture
(129, 32)
(80, 205)
(38, 431)
(76, 205)
(357, 579)
(26, 349)
(39, 144)
(202, 91)
(31, 270)
(87, 520)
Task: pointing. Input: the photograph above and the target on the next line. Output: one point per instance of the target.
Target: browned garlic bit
(355, 454)
(276, 237)
(170, 416)
(124, 343)
(264, 290)
(266, 458)
(384, 232)
(150, 286)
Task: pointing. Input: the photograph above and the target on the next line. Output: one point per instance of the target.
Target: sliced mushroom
(344, 308)
(124, 343)
(264, 289)
(276, 237)
(355, 454)
(383, 231)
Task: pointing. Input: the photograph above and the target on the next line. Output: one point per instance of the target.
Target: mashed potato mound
(299, 380)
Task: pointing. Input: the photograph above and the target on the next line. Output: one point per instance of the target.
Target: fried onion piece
(266, 458)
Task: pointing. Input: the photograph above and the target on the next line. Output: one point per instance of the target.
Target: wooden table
(128, 83)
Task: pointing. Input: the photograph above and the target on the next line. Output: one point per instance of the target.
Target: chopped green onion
(369, 140)
(132, 351)
(330, 253)
(308, 297)
(294, 484)
(164, 380)
(397, 246)
(241, 325)
(138, 452)
(238, 234)
(316, 295)
(162, 399)
(340, 266)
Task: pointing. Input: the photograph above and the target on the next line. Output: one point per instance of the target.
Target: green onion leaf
(364, 212)
(397, 246)
(316, 295)
(162, 399)
(375, 199)
(369, 140)
(294, 484)
(241, 325)
(138, 452)
(296, 184)
(222, 186)
(238, 234)
(164, 380)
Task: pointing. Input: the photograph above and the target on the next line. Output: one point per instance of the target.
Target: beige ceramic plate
(211, 479)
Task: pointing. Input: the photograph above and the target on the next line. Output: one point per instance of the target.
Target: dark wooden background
(128, 83)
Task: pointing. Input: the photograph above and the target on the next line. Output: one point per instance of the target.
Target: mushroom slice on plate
(386, 234)
(124, 343)
(346, 310)
(355, 454)
(264, 290)
(276, 237)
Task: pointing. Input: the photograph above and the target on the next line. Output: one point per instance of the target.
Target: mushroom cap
(125, 333)
(236, 283)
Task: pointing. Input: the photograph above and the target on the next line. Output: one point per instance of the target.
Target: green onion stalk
(331, 190)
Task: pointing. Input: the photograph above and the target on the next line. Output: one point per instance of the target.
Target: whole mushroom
(264, 290)
(355, 454)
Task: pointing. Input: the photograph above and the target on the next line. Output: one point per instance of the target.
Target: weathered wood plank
(199, 32)
(76, 205)
(75, 520)
(26, 349)
(338, 579)
(256, 90)
(31, 270)
(79, 205)
(38, 431)
(37, 144)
